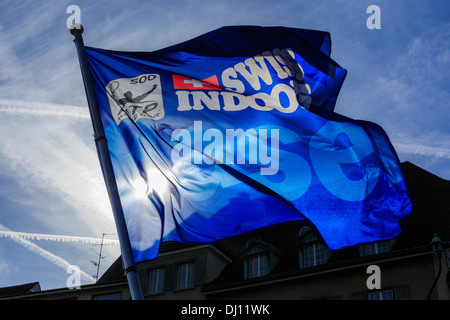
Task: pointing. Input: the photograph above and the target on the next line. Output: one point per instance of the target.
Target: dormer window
(258, 265)
(311, 252)
(376, 247)
(260, 258)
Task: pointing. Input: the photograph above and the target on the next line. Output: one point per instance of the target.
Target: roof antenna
(100, 257)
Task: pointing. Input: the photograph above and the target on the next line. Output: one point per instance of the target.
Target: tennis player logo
(136, 98)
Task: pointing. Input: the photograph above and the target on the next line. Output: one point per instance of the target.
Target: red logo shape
(187, 83)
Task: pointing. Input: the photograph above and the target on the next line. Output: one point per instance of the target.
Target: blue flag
(235, 130)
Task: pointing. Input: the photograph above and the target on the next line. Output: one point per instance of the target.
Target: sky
(54, 207)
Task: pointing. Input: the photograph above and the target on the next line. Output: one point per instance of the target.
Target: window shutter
(300, 258)
(200, 270)
(361, 250)
(245, 269)
(143, 280)
(273, 261)
(326, 254)
(390, 243)
(169, 277)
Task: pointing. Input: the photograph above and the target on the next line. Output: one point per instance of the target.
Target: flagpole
(106, 165)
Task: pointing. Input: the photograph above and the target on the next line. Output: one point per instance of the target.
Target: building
(289, 262)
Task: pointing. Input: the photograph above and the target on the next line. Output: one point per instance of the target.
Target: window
(258, 265)
(156, 281)
(260, 258)
(186, 275)
(375, 248)
(382, 295)
(313, 254)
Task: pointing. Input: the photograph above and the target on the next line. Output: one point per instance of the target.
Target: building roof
(20, 289)
(430, 197)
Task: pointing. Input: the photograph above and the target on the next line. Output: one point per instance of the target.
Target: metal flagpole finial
(76, 26)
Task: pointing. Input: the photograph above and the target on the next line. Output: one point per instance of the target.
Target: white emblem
(136, 98)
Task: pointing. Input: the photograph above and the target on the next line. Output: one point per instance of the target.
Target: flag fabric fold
(235, 130)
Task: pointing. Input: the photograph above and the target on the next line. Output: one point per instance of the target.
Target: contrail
(60, 262)
(52, 237)
(423, 150)
(43, 109)
(51, 109)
